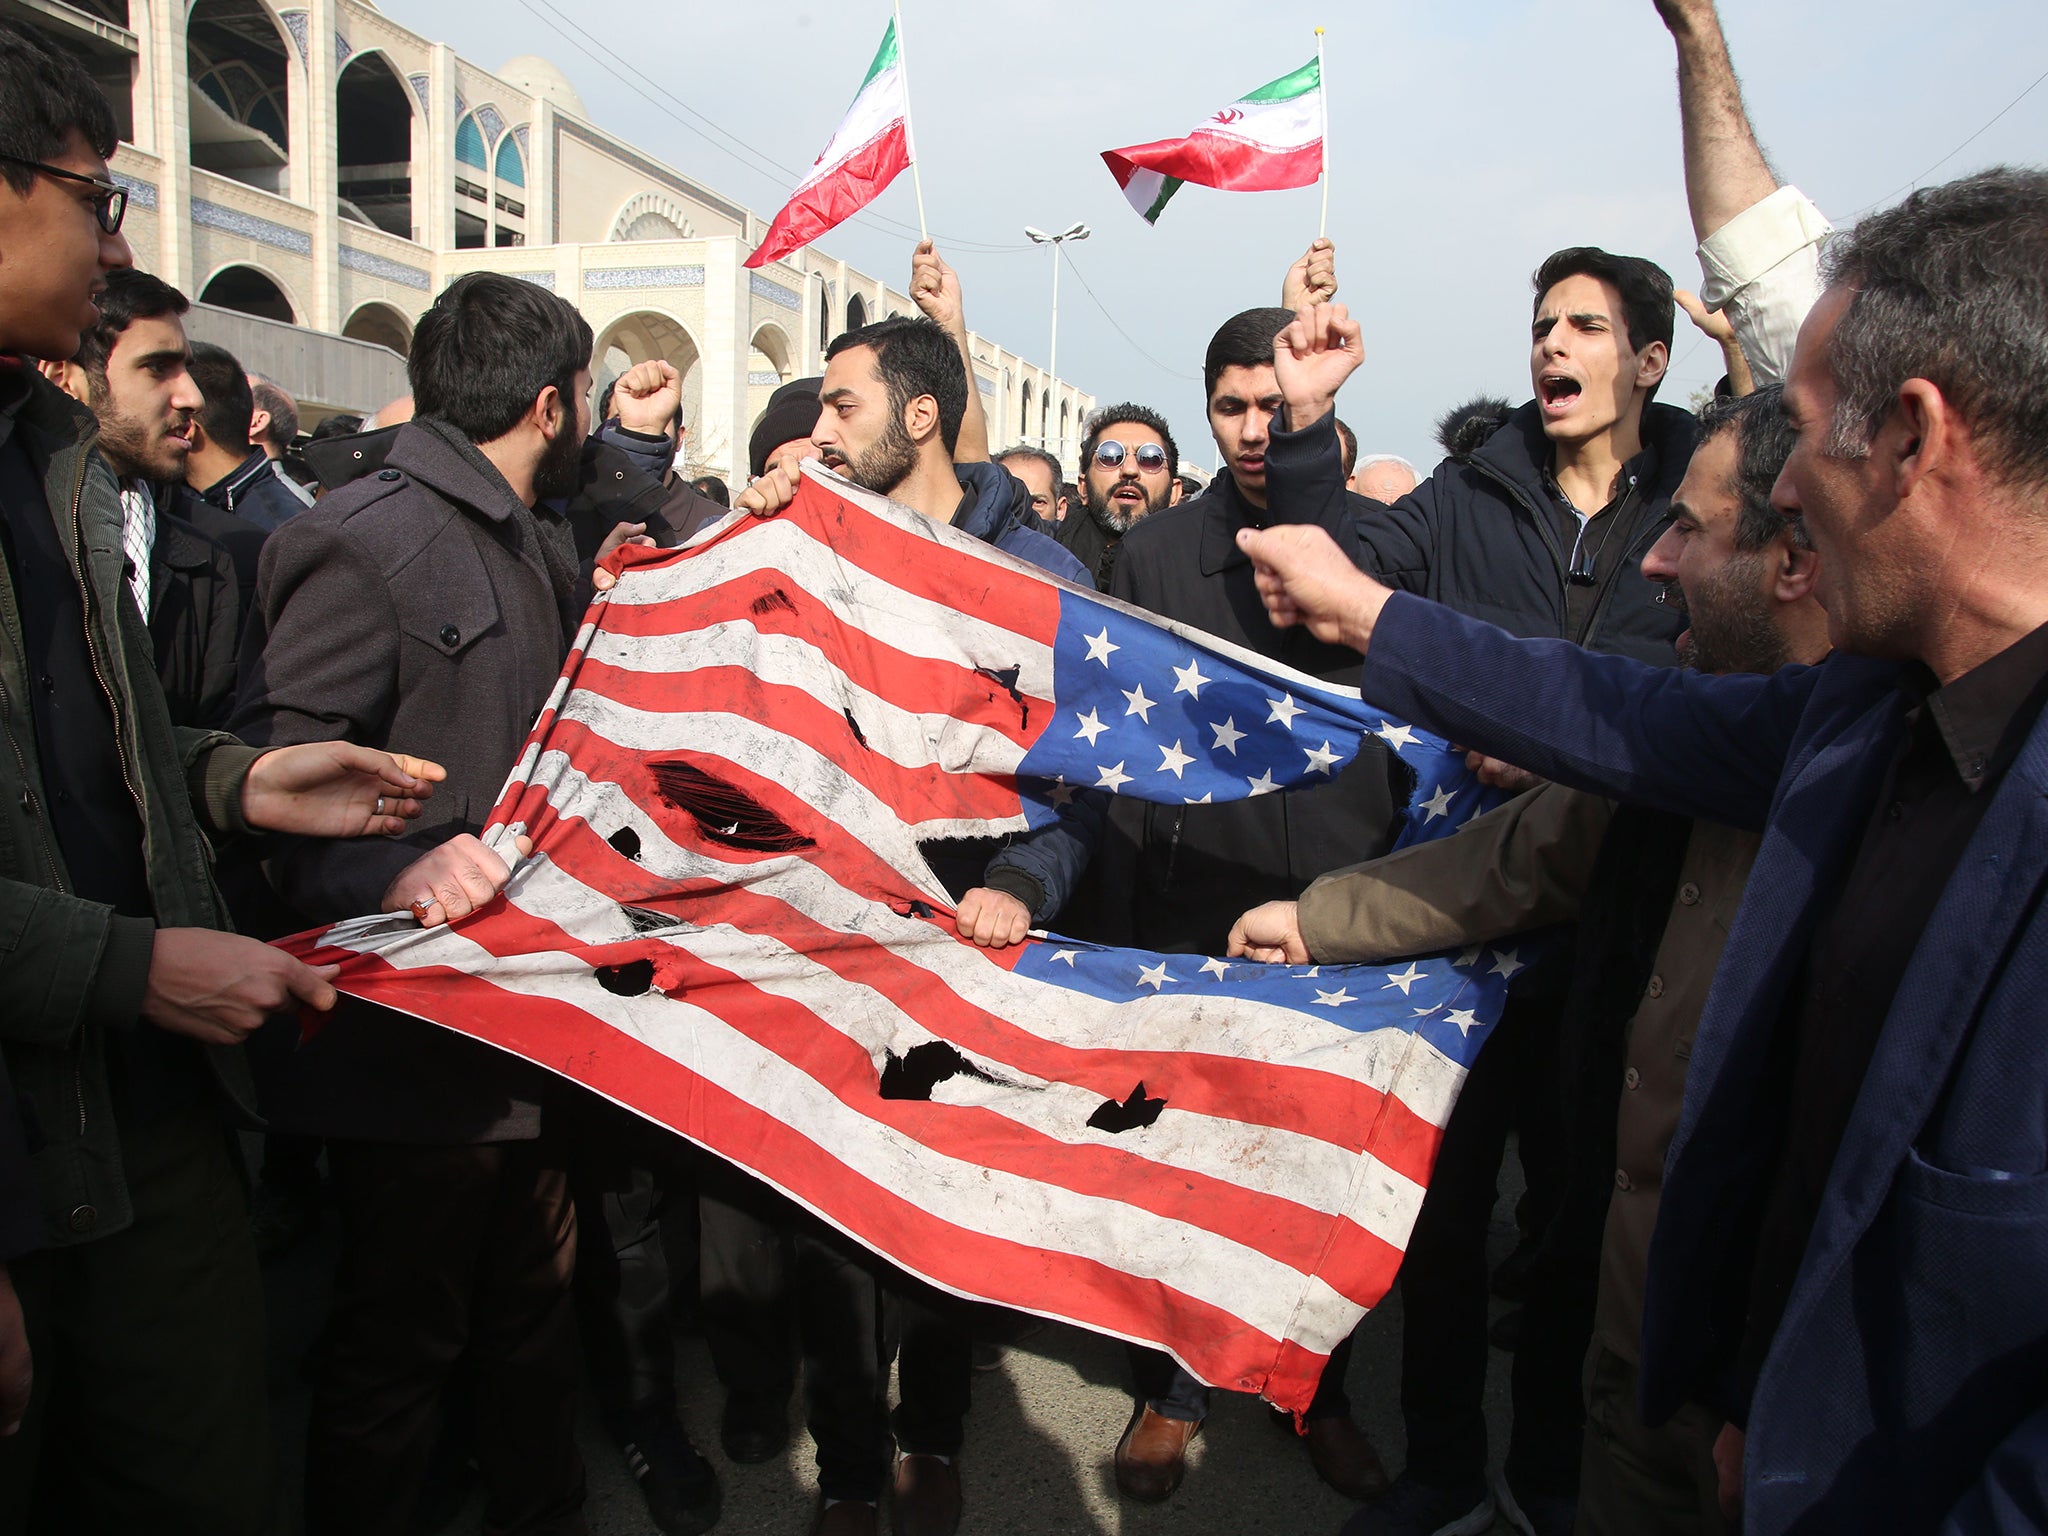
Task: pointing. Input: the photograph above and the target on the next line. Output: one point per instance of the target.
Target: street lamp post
(1040, 237)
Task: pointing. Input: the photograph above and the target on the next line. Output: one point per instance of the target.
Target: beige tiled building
(314, 175)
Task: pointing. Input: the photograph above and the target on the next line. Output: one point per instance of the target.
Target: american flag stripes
(727, 926)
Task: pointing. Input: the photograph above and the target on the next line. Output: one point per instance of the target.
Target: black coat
(404, 611)
(1095, 546)
(242, 539)
(195, 616)
(1481, 535)
(1175, 878)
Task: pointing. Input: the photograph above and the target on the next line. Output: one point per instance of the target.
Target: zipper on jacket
(1180, 820)
(1633, 548)
(1549, 534)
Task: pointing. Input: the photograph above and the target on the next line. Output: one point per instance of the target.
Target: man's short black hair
(914, 356)
(1950, 286)
(283, 430)
(1136, 415)
(711, 488)
(229, 401)
(1347, 448)
(488, 347)
(1763, 442)
(343, 424)
(1245, 340)
(130, 296)
(1645, 290)
(45, 94)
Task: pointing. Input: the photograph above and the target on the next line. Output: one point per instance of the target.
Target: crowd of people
(1764, 678)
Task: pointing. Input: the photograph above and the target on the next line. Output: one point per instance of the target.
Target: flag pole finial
(916, 177)
(1323, 90)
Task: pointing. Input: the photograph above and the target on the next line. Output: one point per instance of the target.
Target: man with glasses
(1173, 878)
(1129, 467)
(123, 1000)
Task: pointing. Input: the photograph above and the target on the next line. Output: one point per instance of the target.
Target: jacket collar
(444, 461)
(228, 489)
(994, 495)
(178, 546)
(1519, 453)
(1223, 511)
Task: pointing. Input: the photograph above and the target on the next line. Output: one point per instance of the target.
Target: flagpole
(909, 122)
(1322, 89)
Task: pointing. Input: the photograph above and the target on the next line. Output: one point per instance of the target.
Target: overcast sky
(1467, 142)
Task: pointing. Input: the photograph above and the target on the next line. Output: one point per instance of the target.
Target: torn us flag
(727, 926)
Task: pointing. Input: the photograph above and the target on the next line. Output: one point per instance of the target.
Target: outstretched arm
(1725, 169)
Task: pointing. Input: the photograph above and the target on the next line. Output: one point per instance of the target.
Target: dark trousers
(448, 1253)
(935, 1367)
(1444, 1282)
(1172, 1393)
(622, 1293)
(1637, 1481)
(765, 1264)
(149, 1410)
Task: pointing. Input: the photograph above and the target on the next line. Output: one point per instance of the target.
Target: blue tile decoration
(341, 51)
(295, 23)
(522, 133)
(774, 293)
(421, 86)
(763, 378)
(370, 264)
(493, 122)
(235, 222)
(984, 385)
(644, 277)
(141, 193)
(538, 279)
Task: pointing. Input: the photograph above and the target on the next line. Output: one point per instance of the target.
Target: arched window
(856, 313)
(511, 168)
(469, 145)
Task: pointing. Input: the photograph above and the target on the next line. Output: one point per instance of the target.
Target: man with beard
(131, 371)
(434, 600)
(1171, 878)
(890, 409)
(1129, 467)
(1653, 894)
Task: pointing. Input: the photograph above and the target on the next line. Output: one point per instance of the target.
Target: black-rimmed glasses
(1111, 454)
(110, 206)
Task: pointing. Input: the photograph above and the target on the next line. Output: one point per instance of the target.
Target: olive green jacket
(70, 969)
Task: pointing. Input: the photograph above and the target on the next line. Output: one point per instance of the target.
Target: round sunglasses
(1111, 454)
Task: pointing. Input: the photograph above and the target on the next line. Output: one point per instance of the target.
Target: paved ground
(1039, 1444)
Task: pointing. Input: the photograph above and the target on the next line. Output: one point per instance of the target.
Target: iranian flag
(1264, 142)
(868, 150)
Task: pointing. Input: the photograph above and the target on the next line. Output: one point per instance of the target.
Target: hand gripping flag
(1264, 142)
(869, 149)
(727, 926)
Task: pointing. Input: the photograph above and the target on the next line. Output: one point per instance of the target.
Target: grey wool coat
(411, 610)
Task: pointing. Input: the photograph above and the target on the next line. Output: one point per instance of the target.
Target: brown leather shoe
(846, 1518)
(1153, 1454)
(925, 1497)
(1345, 1459)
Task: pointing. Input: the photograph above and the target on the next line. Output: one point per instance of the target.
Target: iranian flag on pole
(868, 150)
(1263, 142)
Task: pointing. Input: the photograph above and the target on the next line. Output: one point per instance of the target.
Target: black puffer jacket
(1482, 535)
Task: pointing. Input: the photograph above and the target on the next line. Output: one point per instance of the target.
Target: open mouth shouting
(1559, 392)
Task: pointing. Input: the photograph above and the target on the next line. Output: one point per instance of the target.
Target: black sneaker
(753, 1432)
(1412, 1508)
(679, 1485)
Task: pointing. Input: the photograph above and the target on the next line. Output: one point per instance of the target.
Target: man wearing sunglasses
(1129, 468)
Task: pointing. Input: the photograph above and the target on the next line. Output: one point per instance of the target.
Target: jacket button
(1622, 1180)
(389, 474)
(1689, 894)
(1656, 986)
(1632, 1078)
(450, 635)
(82, 1218)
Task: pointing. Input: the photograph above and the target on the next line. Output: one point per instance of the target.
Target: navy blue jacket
(1039, 868)
(1907, 1386)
